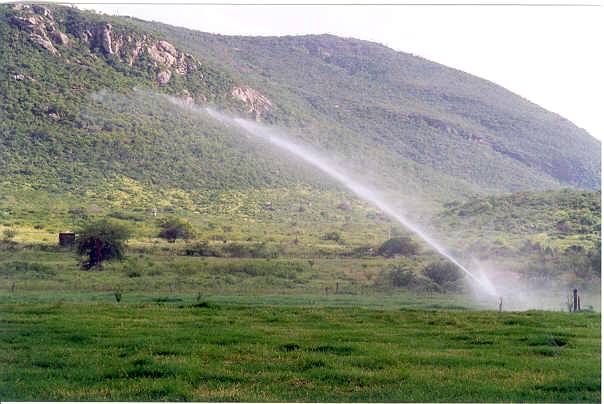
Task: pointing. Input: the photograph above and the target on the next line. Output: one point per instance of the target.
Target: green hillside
(73, 121)
(418, 110)
(530, 231)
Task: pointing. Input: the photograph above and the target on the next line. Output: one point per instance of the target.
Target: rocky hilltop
(55, 32)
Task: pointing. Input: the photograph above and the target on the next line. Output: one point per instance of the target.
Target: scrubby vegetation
(175, 228)
(398, 246)
(101, 241)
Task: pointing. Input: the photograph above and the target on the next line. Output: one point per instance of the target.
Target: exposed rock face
(185, 64)
(59, 37)
(163, 77)
(40, 26)
(185, 95)
(29, 23)
(134, 53)
(42, 40)
(22, 77)
(85, 36)
(256, 103)
(104, 38)
(128, 46)
(41, 10)
(20, 6)
(163, 53)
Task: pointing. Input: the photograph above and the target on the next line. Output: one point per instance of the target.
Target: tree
(100, 241)
(398, 246)
(175, 228)
(443, 272)
(400, 276)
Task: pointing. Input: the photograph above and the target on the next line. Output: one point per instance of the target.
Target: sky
(551, 55)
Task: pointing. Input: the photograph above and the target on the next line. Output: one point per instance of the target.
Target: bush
(332, 236)
(402, 277)
(175, 228)
(101, 240)
(360, 252)
(398, 246)
(255, 250)
(203, 249)
(9, 234)
(443, 273)
(126, 216)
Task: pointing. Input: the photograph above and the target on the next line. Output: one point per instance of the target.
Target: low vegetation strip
(214, 352)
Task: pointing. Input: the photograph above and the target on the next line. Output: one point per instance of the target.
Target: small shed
(67, 239)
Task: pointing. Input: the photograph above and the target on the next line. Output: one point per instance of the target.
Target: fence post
(575, 299)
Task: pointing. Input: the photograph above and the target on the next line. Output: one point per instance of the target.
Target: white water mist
(312, 157)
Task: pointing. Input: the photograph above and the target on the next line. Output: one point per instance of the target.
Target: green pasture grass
(212, 351)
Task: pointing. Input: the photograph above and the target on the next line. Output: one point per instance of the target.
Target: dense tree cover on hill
(74, 123)
(418, 110)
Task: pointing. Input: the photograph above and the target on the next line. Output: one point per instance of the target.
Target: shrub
(398, 246)
(9, 234)
(443, 273)
(101, 240)
(174, 228)
(332, 236)
(203, 249)
(255, 250)
(402, 277)
(360, 252)
(126, 216)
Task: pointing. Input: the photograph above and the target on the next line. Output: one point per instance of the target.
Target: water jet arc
(363, 192)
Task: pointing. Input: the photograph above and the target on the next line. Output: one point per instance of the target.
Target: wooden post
(575, 300)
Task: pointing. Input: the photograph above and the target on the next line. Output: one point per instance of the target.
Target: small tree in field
(398, 246)
(175, 228)
(100, 241)
(443, 272)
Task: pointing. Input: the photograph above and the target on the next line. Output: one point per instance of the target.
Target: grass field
(312, 325)
(218, 352)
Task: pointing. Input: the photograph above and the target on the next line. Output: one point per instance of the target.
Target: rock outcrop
(163, 77)
(256, 103)
(39, 23)
(103, 37)
(164, 53)
(128, 46)
(186, 96)
(59, 37)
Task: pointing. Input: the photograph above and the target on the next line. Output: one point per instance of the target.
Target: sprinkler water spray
(312, 158)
